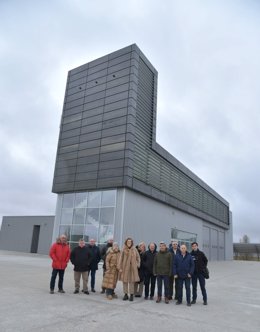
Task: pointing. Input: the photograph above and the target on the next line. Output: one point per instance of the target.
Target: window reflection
(65, 230)
(94, 199)
(81, 200)
(91, 232)
(66, 216)
(79, 216)
(88, 215)
(106, 232)
(68, 200)
(183, 237)
(93, 216)
(76, 233)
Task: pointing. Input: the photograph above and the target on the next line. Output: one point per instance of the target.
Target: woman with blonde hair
(129, 263)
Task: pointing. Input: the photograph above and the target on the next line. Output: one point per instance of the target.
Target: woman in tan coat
(111, 274)
(128, 268)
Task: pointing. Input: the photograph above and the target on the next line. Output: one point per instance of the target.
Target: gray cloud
(206, 54)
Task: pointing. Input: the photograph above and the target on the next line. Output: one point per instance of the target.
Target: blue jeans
(54, 274)
(202, 283)
(93, 278)
(180, 282)
(165, 280)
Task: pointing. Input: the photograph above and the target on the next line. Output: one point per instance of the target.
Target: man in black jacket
(201, 262)
(95, 259)
(81, 259)
(149, 277)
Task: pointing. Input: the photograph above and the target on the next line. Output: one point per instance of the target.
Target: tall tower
(108, 139)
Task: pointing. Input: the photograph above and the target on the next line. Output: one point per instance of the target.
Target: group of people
(137, 267)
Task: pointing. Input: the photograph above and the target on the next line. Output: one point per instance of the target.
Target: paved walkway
(26, 305)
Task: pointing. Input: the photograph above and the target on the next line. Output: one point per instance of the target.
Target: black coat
(141, 269)
(148, 259)
(173, 253)
(200, 261)
(81, 259)
(95, 257)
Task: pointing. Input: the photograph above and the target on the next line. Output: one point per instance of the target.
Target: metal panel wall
(221, 246)
(147, 219)
(17, 232)
(214, 244)
(206, 241)
(107, 138)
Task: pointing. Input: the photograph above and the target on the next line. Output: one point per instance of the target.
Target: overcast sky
(207, 56)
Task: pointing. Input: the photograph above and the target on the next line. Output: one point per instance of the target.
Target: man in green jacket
(162, 268)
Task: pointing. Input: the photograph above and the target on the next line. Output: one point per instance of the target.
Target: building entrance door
(35, 239)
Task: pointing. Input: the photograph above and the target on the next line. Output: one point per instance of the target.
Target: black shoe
(125, 297)
(170, 298)
(76, 291)
(178, 302)
(188, 304)
(205, 303)
(93, 290)
(52, 291)
(193, 301)
(61, 291)
(103, 291)
(86, 292)
(146, 297)
(137, 295)
(151, 297)
(131, 297)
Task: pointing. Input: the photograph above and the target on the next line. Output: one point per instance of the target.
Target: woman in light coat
(129, 263)
(111, 274)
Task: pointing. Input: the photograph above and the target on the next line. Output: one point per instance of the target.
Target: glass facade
(183, 237)
(87, 215)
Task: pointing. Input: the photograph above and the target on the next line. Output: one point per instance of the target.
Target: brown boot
(166, 300)
(159, 299)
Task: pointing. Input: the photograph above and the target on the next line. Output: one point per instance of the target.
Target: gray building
(111, 176)
(27, 234)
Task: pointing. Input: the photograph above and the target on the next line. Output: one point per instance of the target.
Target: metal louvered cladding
(154, 170)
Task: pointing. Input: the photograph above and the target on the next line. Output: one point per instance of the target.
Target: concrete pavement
(26, 305)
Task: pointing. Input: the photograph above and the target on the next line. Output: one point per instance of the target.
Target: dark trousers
(149, 279)
(202, 283)
(93, 278)
(180, 282)
(54, 274)
(173, 282)
(165, 280)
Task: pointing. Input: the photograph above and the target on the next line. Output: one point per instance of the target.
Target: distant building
(111, 176)
(32, 234)
(246, 251)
